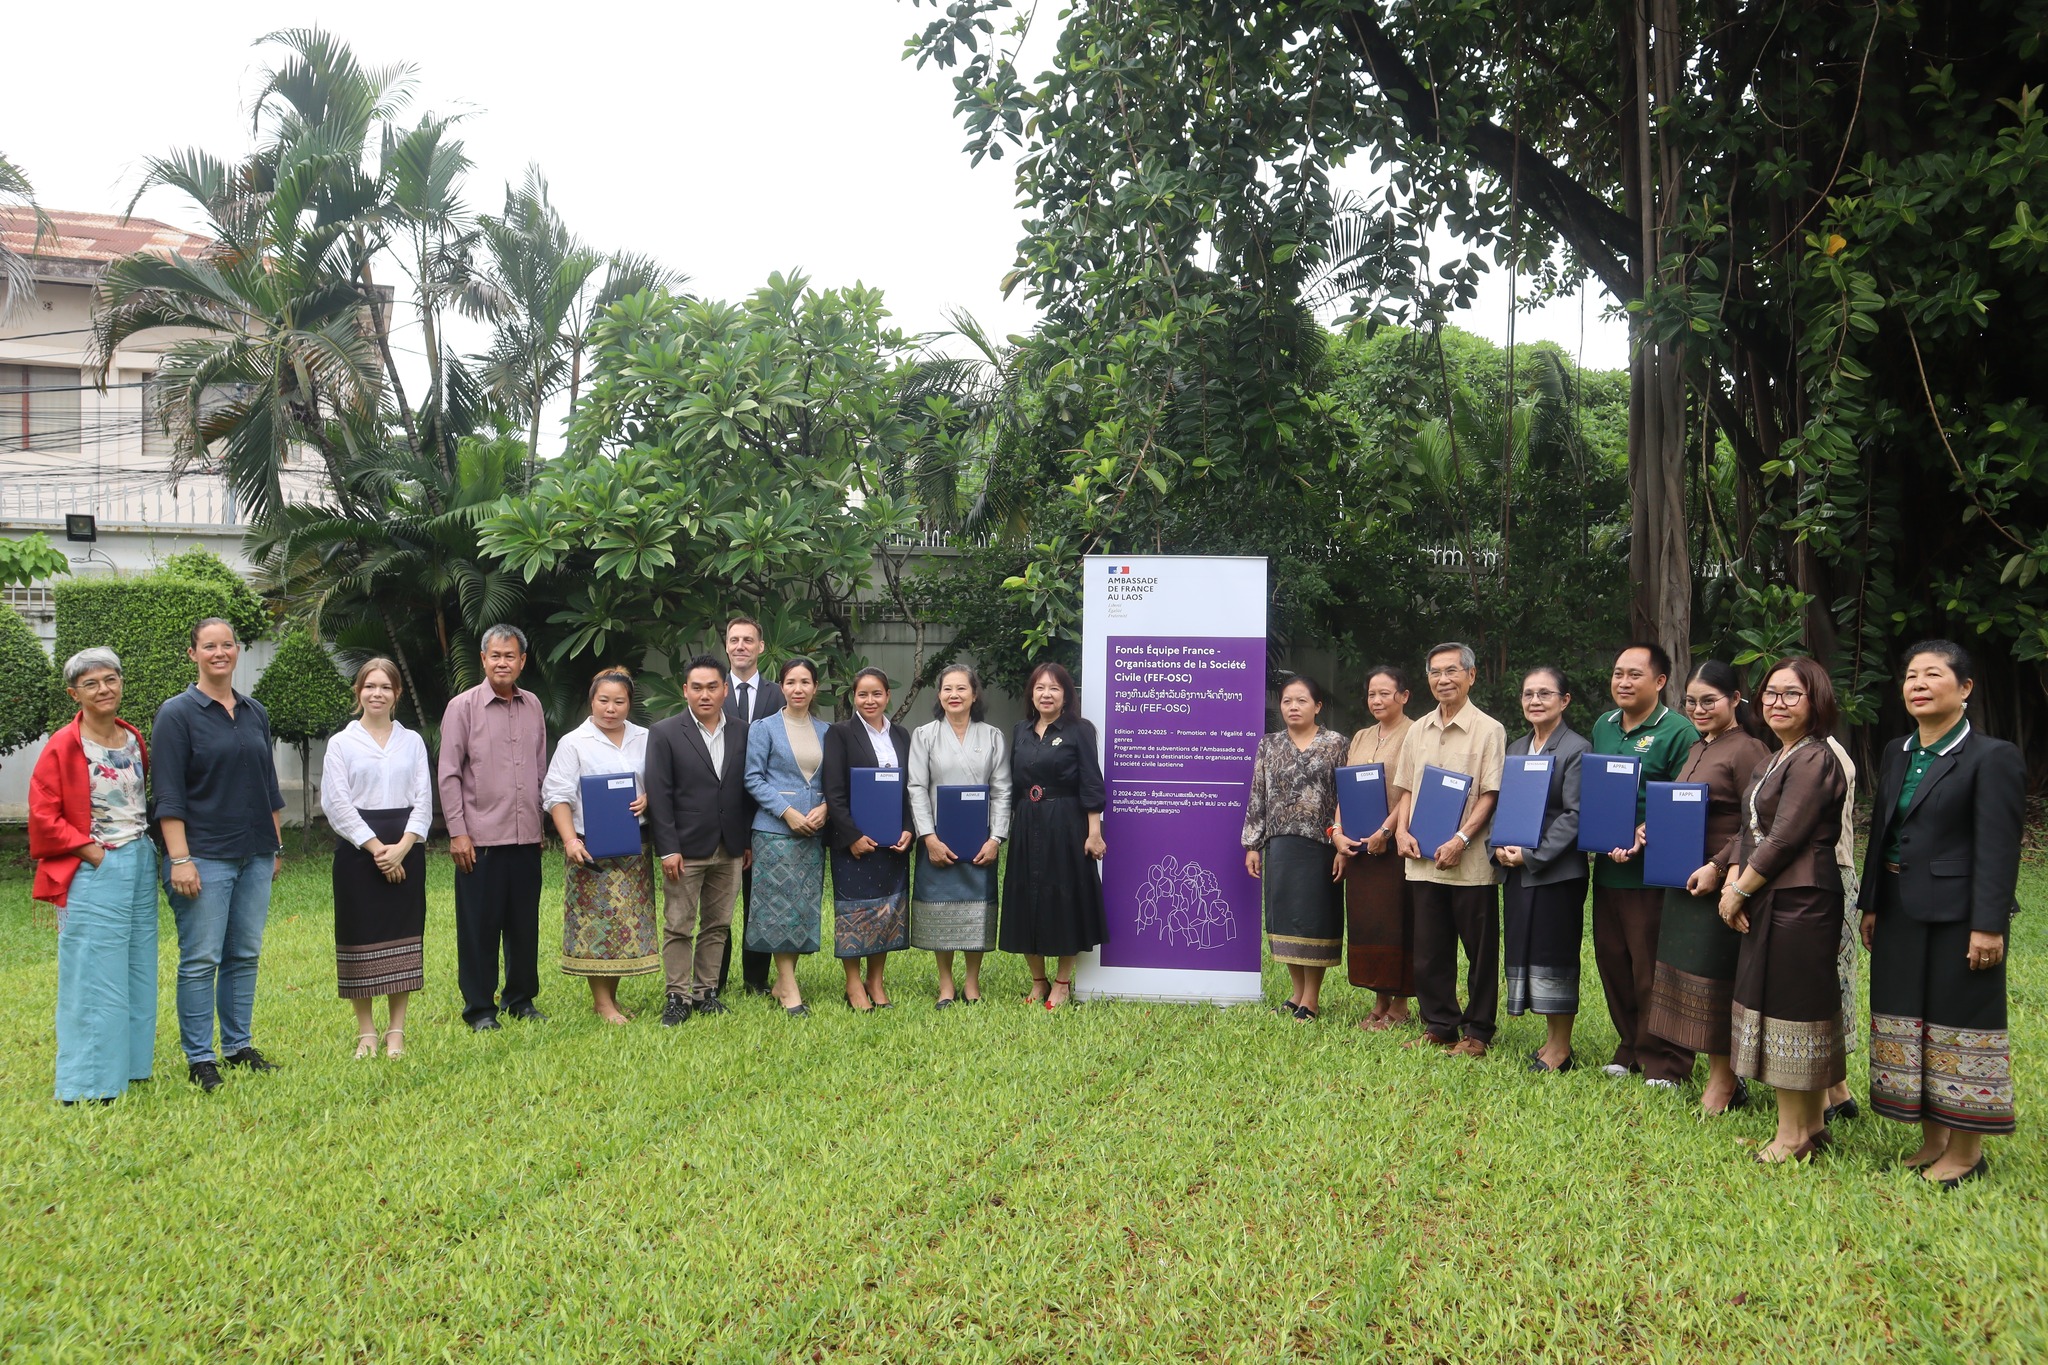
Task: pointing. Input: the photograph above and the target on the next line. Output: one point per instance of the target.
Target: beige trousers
(696, 922)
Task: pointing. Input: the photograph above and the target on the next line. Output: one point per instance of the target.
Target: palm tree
(17, 280)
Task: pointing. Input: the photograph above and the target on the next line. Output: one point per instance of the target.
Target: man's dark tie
(746, 710)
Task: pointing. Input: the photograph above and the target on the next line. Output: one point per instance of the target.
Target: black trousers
(498, 902)
(1626, 923)
(754, 967)
(1446, 916)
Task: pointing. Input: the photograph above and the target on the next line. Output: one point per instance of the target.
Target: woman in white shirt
(608, 926)
(377, 791)
(954, 905)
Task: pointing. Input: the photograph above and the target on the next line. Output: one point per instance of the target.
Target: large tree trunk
(1659, 566)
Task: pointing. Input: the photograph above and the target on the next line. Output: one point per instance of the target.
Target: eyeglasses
(1790, 697)
(1541, 696)
(1453, 671)
(1702, 703)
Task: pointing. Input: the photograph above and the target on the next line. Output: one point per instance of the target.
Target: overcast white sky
(728, 139)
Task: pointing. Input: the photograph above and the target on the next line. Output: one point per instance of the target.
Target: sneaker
(676, 1011)
(252, 1059)
(205, 1075)
(1656, 1084)
(1614, 1071)
(710, 1004)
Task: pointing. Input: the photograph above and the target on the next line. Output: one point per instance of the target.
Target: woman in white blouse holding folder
(953, 905)
(377, 791)
(608, 925)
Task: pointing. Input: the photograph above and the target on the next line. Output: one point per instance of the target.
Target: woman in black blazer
(1938, 881)
(870, 881)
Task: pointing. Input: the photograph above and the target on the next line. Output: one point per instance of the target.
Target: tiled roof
(94, 237)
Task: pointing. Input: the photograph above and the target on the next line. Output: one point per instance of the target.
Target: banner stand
(1173, 660)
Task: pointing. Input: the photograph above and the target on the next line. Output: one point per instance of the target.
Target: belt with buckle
(1036, 793)
(1891, 867)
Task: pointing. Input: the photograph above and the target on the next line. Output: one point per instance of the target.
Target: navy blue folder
(1608, 787)
(1524, 792)
(610, 829)
(961, 820)
(878, 803)
(1362, 799)
(1439, 807)
(1675, 837)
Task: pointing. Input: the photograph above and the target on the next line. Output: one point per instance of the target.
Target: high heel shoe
(366, 1045)
(394, 1042)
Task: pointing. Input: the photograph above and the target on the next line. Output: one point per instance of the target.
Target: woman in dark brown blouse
(1784, 895)
(1694, 990)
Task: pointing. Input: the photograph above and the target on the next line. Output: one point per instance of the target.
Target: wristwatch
(1464, 839)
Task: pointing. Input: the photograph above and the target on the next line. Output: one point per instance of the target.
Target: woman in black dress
(1052, 897)
(870, 881)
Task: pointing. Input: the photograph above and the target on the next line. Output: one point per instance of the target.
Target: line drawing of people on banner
(1182, 904)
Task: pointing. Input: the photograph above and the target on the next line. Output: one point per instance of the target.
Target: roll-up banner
(1173, 660)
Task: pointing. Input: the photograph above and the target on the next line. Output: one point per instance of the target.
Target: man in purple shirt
(494, 752)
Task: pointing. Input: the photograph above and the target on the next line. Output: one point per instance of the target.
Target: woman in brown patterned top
(1287, 843)
(1378, 922)
(1694, 988)
(1784, 895)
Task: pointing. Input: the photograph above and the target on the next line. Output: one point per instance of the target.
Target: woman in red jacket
(87, 830)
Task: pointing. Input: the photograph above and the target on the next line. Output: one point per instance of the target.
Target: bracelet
(180, 862)
(1739, 891)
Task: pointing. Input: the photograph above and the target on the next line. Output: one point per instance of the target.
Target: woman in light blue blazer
(785, 776)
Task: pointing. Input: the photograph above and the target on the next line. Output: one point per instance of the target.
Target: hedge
(148, 622)
(306, 699)
(31, 698)
(250, 617)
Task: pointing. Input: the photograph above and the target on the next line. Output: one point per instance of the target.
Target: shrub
(307, 700)
(145, 620)
(246, 611)
(30, 694)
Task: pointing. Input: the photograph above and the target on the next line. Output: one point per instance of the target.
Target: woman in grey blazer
(1545, 893)
(786, 778)
(953, 903)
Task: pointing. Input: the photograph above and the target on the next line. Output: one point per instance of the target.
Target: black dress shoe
(205, 1075)
(752, 989)
(944, 1002)
(1847, 1109)
(487, 1024)
(711, 1004)
(1537, 1064)
(530, 1014)
(1976, 1172)
(252, 1059)
(676, 1011)
(797, 1011)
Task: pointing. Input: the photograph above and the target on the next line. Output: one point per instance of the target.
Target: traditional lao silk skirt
(1787, 1016)
(379, 925)
(870, 903)
(608, 924)
(786, 904)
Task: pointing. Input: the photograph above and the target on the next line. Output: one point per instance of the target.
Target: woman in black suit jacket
(1938, 881)
(870, 880)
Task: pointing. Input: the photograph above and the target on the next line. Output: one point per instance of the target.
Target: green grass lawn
(1112, 1182)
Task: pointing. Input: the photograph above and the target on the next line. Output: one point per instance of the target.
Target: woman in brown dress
(1784, 896)
(1379, 928)
(1694, 988)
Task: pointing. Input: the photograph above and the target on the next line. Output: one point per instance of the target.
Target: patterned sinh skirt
(1304, 908)
(1543, 929)
(954, 908)
(1938, 1043)
(1379, 925)
(787, 903)
(1692, 998)
(378, 926)
(1787, 1017)
(608, 924)
(870, 903)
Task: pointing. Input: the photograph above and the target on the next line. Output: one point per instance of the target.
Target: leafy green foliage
(246, 611)
(727, 458)
(29, 559)
(31, 695)
(306, 699)
(147, 620)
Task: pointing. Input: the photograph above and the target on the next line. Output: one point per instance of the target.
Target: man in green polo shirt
(1626, 914)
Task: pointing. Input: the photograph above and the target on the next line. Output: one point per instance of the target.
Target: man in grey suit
(750, 697)
(698, 806)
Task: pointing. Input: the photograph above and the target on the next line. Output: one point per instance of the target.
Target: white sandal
(366, 1045)
(394, 1042)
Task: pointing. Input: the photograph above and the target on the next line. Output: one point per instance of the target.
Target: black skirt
(1052, 897)
(378, 926)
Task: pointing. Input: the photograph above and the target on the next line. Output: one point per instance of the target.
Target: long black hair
(1722, 678)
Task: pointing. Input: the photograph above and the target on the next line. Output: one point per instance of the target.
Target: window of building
(39, 407)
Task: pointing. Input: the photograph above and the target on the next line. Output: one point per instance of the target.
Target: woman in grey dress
(953, 905)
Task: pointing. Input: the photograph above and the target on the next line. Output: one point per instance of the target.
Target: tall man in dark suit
(698, 805)
(751, 697)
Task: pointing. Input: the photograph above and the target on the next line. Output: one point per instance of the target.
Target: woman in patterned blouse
(1287, 843)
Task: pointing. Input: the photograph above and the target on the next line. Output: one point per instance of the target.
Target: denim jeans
(220, 936)
(106, 975)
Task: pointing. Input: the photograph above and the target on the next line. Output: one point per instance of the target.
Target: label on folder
(1524, 795)
(1608, 802)
(877, 801)
(960, 819)
(1362, 799)
(1439, 808)
(1675, 832)
(610, 829)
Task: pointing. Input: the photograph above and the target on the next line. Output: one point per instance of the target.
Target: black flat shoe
(1976, 1172)
(944, 1002)
(797, 1011)
(1541, 1067)
(885, 1004)
(1847, 1109)
(1305, 1014)
(856, 1008)
(970, 1000)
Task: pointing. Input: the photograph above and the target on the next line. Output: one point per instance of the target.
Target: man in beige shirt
(1452, 885)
